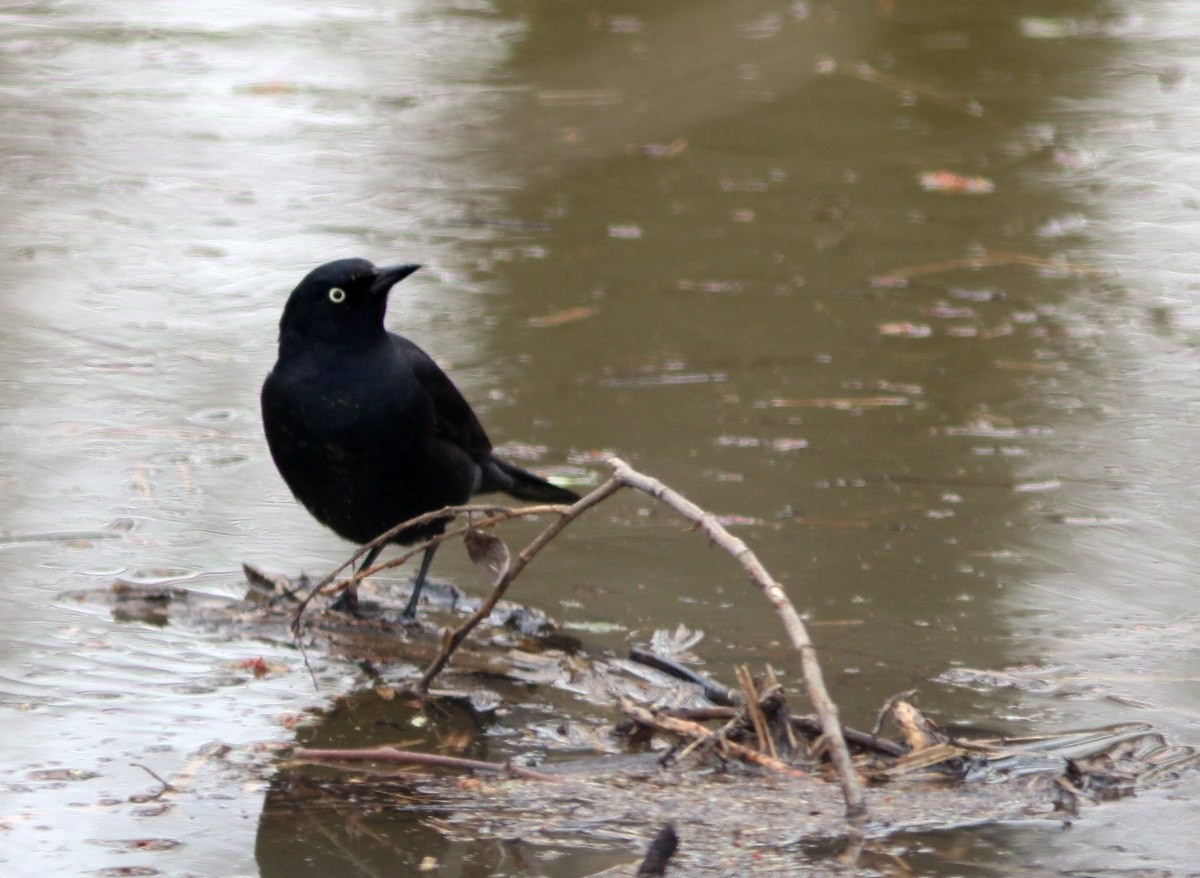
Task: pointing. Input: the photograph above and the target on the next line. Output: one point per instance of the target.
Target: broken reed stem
(806, 725)
(798, 635)
(409, 757)
(765, 742)
(771, 684)
(455, 637)
(697, 732)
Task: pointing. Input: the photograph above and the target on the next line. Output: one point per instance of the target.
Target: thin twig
(410, 757)
(166, 787)
(304, 653)
(455, 637)
(496, 515)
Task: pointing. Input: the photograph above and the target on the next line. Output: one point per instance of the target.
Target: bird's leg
(347, 601)
(410, 611)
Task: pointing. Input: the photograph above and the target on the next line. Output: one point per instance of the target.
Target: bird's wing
(455, 419)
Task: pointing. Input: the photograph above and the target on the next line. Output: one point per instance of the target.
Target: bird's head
(340, 302)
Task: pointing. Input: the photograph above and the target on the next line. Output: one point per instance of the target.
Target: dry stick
(409, 757)
(454, 638)
(814, 681)
(698, 732)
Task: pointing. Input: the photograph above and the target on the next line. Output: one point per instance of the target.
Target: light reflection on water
(716, 207)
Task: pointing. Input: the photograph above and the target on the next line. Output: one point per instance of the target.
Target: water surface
(728, 241)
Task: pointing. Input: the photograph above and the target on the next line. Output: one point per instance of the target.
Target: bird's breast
(345, 403)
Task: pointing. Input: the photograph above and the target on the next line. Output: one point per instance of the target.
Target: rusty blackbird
(365, 428)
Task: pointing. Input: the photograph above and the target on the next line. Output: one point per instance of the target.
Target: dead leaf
(489, 554)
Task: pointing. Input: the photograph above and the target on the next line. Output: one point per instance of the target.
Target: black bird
(365, 428)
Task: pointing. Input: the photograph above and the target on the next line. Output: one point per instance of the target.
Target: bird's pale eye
(337, 295)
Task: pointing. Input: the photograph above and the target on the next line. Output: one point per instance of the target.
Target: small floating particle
(949, 183)
(628, 231)
(568, 315)
(1087, 520)
(1028, 366)
(256, 666)
(1040, 487)
(906, 329)
(755, 442)
(710, 286)
(844, 402)
(625, 24)
(788, 444)
(668, 379)
(663, 150)
(944, 311)
(736, 520)
(886, 386)
(985, 428)
(738, 441)
(273, 87)
(579, 97)
(63, 774)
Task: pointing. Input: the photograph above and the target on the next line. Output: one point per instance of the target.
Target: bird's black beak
(387, 276)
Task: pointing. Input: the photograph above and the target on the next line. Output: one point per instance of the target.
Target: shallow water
(958, 427)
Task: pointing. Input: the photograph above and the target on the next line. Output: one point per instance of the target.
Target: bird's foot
(347, 602)
(409, 616)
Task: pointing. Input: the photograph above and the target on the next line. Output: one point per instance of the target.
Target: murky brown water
(960, 427)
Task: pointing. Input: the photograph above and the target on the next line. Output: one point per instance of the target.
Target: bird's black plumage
(364, 427)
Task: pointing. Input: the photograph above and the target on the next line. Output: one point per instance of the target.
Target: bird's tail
(500, 475)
